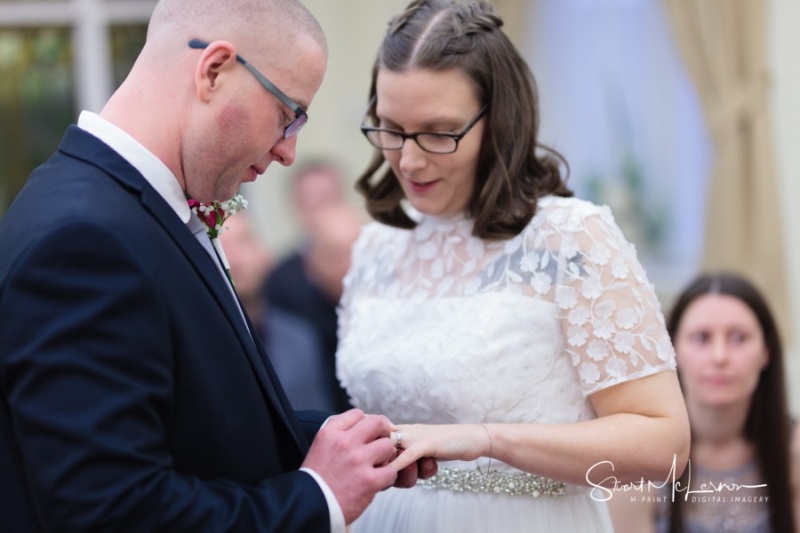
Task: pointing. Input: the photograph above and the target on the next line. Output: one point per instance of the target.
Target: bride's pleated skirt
(426, 510)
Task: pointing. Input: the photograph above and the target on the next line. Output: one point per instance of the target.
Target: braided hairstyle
(514, 170)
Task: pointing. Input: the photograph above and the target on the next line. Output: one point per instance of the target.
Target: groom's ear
(216, 61)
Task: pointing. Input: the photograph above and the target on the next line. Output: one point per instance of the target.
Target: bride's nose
(412, 157)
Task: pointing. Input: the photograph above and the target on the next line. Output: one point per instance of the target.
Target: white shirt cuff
(334, 509)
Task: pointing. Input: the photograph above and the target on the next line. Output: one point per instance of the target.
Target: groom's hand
(352, 452)
(423, 469)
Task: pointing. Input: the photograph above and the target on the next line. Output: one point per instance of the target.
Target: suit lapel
(219, 287)
(86, 147)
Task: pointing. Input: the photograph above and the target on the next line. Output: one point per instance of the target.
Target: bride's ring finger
(397, 438)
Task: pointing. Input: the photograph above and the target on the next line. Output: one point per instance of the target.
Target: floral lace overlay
(437, 325)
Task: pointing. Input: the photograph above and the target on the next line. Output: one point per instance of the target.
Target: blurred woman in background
(744, 445)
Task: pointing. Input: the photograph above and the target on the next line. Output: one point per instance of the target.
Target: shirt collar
(151, 167)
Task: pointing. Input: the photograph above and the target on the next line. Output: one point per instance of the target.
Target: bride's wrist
(488, 446)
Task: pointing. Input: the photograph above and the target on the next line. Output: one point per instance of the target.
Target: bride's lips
(422, 187)
(717, 380)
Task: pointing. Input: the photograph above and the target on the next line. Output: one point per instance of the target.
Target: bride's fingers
(405, 458)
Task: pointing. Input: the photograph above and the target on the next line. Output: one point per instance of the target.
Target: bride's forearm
(622, 447)
(642, 432)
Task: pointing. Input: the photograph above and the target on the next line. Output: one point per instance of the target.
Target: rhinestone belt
(497, 482)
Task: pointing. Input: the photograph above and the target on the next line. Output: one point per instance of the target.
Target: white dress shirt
(166, 184)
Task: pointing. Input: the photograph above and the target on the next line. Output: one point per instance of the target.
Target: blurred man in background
(291, 343)
(308, 282)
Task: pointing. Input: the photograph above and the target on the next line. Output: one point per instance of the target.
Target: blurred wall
(353, 35)
(784, 41)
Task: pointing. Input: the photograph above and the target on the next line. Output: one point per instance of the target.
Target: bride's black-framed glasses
(434, 143)
(300, 115)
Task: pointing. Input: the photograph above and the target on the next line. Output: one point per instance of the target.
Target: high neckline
(446, 220)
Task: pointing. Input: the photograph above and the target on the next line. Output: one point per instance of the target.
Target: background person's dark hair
(768, 423)
(513, 169)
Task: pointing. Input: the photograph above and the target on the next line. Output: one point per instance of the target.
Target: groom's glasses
(300, 116)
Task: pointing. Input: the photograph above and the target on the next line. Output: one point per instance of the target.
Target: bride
(511, 322)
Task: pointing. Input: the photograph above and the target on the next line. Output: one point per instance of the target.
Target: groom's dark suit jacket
(133, 397)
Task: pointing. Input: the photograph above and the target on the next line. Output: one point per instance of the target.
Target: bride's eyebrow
(388, 122)
(440, 123)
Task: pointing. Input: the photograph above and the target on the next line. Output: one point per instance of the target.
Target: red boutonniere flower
(214, 214)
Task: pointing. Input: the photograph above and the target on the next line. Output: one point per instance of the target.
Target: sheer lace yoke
(570, 272)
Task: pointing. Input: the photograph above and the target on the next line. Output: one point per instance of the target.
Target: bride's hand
(454, 442)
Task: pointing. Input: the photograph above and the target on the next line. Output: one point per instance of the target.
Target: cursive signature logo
(604, 489)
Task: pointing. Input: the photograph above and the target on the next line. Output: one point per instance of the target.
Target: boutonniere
(213, 215)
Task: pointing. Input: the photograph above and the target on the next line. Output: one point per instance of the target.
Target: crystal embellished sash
(495, 482)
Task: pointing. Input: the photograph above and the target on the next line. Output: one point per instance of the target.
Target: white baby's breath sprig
(214, 214)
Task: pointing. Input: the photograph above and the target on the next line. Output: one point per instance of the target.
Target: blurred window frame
(92, 25)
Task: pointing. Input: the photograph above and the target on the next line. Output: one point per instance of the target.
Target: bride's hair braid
(449, 28)
(480, 16)
(466, 20)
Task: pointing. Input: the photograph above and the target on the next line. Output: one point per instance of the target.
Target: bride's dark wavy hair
(768, 426)
(513, 170)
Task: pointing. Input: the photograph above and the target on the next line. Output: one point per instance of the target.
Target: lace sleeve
(613, 327)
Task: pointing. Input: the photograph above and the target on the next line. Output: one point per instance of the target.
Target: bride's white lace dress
(438, 326)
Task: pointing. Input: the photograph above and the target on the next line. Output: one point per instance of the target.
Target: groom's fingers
(345, 420)
(351, 453)
(427, 468)
(424, 468)
(379, 453)
(407, 477)
(361, 427)
(370, 428)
